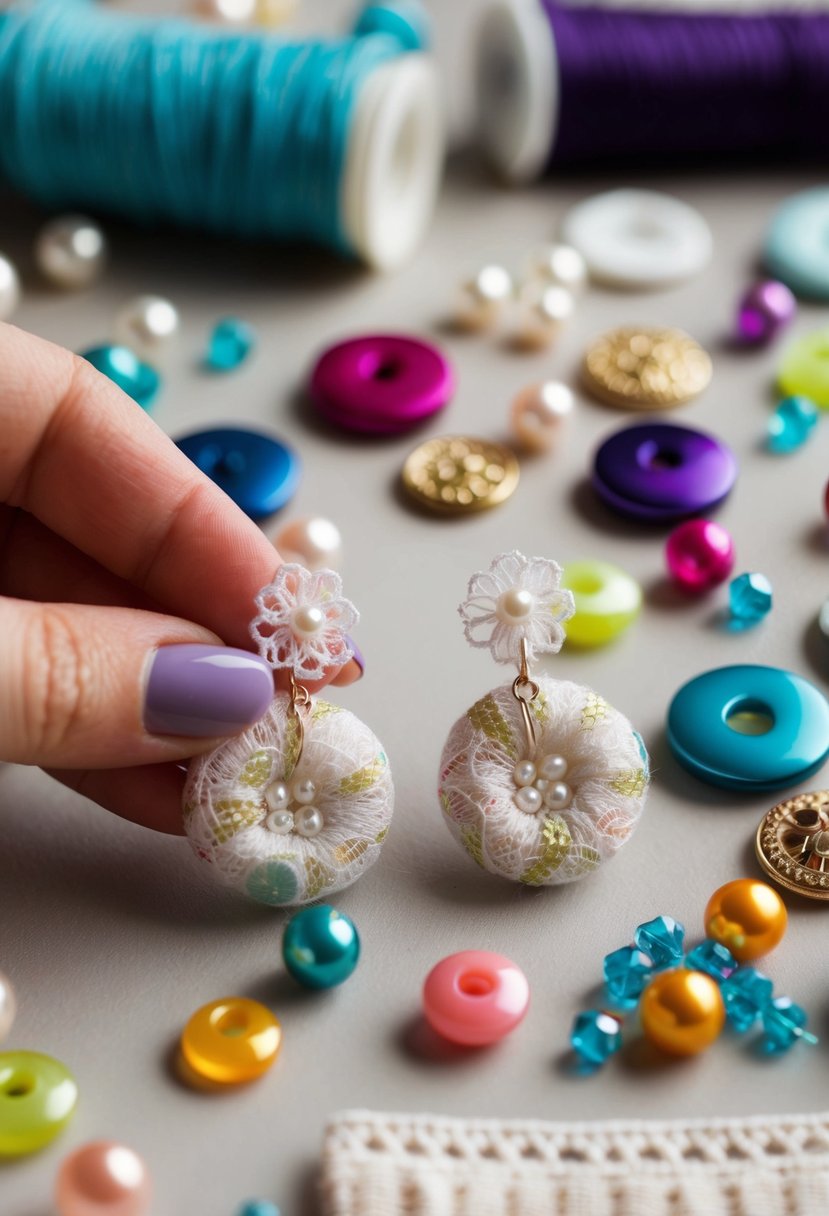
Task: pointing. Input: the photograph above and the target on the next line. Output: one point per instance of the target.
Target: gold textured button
(457, 473)
(793, 844)
(645, 368)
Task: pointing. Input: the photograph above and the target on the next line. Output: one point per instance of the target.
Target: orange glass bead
(682, 1011)
(747, 916)
(231, 1041)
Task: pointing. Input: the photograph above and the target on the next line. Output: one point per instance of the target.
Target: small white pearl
(8, 1006)
(541, 784)
(307, 621)
(277, 796)
(148, 325)
(309, 821)
(9, 289)
(71, 251)
(514, 606)
(230, 12)
(554, 768)
(528, 800)
(558, 796)
(280, 823)
(304, 791)
(483, 298)
(524, 772)
(537, 414)
(560, 264)
(315, 543)
(544, 315)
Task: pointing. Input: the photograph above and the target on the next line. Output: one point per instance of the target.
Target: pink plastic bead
(700, 555)
(103, 1179)
(475, 997)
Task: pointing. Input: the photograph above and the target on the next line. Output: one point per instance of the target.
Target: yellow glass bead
(607, 601)
(231, 1041)
(38, 1096)
(747, 916)
(682, 1011)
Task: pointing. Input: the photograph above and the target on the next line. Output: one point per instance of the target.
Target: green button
(38, 1096)
(804, 368)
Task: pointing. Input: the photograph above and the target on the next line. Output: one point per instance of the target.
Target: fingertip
(350, 674)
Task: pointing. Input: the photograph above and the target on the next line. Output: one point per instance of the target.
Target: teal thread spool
(245, 134)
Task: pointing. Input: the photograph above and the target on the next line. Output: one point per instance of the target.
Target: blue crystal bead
(596, 1035)
(230, 344)
(626, 972)
(784, 1023)
(663, 940)
(750, 597)
(746, 993)
(791, 424)
(258, 1207)
(137, 379)
(713, 958)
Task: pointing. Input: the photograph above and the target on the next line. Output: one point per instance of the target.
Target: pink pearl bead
(700, 554)
(475, 997)
(103, 1179)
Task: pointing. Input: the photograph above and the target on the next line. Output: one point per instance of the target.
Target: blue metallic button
(749, 728)
(258, 472)
(125, 369)
(797, 243)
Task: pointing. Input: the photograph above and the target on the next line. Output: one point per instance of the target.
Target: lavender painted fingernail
(358, 654)
(201, 691)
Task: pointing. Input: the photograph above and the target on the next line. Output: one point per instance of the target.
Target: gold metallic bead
(793, 844)
(455, 474)
(645, 368)
(747, 916)
(682, 1012)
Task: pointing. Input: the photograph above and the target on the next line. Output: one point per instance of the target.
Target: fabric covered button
(797, 243)
(259, 473)
(475, 997)
(38, 1096)
(381, 384)
(607, 601)
(659, 471)
(231, 1041)
(749, 727)
(804, 368)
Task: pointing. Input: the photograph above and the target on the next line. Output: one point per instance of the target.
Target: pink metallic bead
(475, 997)
(765, 309)
(700, 555)
(103, 1179)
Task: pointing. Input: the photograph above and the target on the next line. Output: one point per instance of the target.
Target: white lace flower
(518, 597)
(303, 621)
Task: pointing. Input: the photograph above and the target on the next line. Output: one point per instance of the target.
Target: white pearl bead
(277, 796)
(71, 251)
(280, 823)
(148, 325)
(558, 796)
(514, 606)
(544, 315)
(553, 768)
(528, 800)
(315, 543)
(9, 289)
(538, 412)
(541, 784)
(309, 821)
(562, 265)
(483, 298)
(8, 1006)
(524, 772)
(304, 791)
(307, 621)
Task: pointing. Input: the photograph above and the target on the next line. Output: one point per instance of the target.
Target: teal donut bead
(38, 1096)
(320, 947)
(797, 243)
(749, 727)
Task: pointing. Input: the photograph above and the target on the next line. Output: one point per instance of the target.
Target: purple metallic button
(382, 384)
(659, 471)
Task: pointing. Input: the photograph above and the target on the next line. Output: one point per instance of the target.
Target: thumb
(89, 687)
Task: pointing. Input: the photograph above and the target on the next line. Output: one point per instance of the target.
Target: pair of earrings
(540, 781)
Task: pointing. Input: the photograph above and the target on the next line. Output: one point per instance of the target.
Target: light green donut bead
(607, 601)
(38, 1096)
(804, 368)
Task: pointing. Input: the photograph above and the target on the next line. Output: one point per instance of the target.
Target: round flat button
(749, 727)
(645, 368)
(797, 243)
(258, 472)
(638, 238)
(381, 384)
(38, 1096)
(231, 1041)
(793, 844)
(659, 471)
(804, 368)
(454, 474)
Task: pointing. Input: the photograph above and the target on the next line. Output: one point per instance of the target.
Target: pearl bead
(71, 251)
(553, 768)
(321, 947)
(280, 822)
(747, 916)
(558, 796)
(103, 1179)
(148, 325)
(307, 621)
(483, 299)
(544, 315)
(538, 412)
(682, 1011)
(8, 1006)
(277, 796)
(514, 606)
(315, 543)
(9, 289)
(524, 772)
(309, 821)
(562, 265)
(528, 799)
(304, 791)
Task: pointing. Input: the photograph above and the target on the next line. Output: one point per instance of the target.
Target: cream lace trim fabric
(422, 1165)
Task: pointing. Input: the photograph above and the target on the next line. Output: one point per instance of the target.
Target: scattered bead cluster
(542, 785)
(291, 808)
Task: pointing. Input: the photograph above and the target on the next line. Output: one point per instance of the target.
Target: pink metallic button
(381, 384)
(475, 997)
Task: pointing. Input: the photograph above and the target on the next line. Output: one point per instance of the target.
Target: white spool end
(394, 161)
(516, 87)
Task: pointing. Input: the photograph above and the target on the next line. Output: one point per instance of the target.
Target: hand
(117, 556)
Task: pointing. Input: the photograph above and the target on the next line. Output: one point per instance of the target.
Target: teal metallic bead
(320, 947)
(122, 367)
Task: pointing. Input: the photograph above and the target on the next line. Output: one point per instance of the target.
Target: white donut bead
(9, 289)
(538, 412)
(482, 299)
(71, 251)
(314, 543)
(149, 326)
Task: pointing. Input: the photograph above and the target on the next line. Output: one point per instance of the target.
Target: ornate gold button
(793, 844)
(454, 474)
(645, 368)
